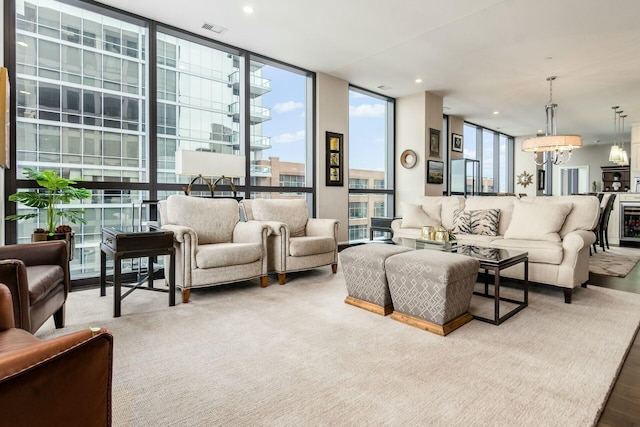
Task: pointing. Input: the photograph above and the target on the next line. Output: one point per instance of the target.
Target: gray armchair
(212, 245)
(297, 242)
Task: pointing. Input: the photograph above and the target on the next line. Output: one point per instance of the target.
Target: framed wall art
(434, 143)
(335, 162)
(435, 172)
(456, 142)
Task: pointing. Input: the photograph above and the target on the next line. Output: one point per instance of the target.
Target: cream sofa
(556, 231)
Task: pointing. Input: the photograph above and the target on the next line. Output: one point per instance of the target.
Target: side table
(135, 242)
(382, 224)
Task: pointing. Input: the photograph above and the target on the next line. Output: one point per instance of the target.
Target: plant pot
(69, 237)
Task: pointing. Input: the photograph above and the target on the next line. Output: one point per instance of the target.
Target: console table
(382, 224)
(135, 242)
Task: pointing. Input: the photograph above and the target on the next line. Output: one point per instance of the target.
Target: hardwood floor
(623, 407)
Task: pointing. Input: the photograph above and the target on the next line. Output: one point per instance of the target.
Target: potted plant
(57, 190)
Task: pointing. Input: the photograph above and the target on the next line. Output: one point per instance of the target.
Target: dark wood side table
(135, 242)
(382, 224)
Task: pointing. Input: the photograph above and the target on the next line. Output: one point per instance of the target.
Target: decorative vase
(428, 232)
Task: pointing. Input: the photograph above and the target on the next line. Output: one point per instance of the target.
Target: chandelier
(618, 154)
(556, 149)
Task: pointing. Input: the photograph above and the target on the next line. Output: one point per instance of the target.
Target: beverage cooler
(629, 222)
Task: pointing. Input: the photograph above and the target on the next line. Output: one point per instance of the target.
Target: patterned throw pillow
(461, 222)
(484, 222)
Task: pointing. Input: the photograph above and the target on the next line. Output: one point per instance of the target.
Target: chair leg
(606, 238)
(186, 294)
(567, 295)
(334, 268)
(282, 277)
(263, 281)
(601, 240)
(58, 317)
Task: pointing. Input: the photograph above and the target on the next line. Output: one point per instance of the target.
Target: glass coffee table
(493, 260)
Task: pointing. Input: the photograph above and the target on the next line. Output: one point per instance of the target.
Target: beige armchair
(212, 245)
(297, 242)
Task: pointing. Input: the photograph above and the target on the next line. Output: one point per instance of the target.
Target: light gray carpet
(616, 261)
(298, 355)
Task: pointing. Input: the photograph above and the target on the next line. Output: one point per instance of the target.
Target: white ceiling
(480, 55)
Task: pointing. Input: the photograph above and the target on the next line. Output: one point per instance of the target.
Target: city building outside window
(371, 142)
(83, 108)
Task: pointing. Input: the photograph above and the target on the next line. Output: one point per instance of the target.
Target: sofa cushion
(213, 220)
(294, 213)
(504, 203)
(226, 254)
(583, 215)
(461, 222)
(537, 221)
(542, 252)
(476, 240)
(415, 216)
(311, 245)
(483, 222)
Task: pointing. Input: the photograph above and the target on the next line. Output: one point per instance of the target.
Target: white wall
(410, 135)
(415, 114)
(332, 112)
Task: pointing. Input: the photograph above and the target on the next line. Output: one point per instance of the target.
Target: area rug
(297, 354)
(616, 261)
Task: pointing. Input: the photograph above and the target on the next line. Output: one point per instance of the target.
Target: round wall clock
(524, 179)
(408, 159)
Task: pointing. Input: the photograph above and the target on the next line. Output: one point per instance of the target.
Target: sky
(287, 125)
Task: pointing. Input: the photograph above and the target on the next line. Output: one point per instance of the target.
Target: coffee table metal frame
(494, 266)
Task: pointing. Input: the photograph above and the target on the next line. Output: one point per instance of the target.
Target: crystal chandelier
(556, 149)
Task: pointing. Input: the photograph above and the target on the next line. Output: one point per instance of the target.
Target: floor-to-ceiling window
(280, 131)
(109, 98)
(81, 109)
(371, 141)
(494, 150)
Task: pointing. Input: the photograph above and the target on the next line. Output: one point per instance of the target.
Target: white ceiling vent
(383, 87)
(215, 28)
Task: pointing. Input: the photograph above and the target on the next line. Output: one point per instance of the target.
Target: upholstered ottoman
(363, 268)
(431, 289)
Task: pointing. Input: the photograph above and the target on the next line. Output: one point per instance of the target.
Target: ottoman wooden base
(442, 330)
(374, 308)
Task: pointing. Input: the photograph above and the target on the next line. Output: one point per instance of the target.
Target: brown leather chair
(37, 275)
(64, 381)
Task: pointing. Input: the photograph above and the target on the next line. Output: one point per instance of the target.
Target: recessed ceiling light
(418, 80)
(247, 9)
(23, 44)
(495, 113)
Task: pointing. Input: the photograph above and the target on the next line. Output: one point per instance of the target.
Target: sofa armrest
(40, 253)
(251, 232)
(578, 239)
(68, 380)
(396, 224)
(182, 233)
(322, 227)
(13, 273)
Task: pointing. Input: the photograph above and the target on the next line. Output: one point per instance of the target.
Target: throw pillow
(537, 221)
(484, 222)
(461, 222)
(415, 217)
